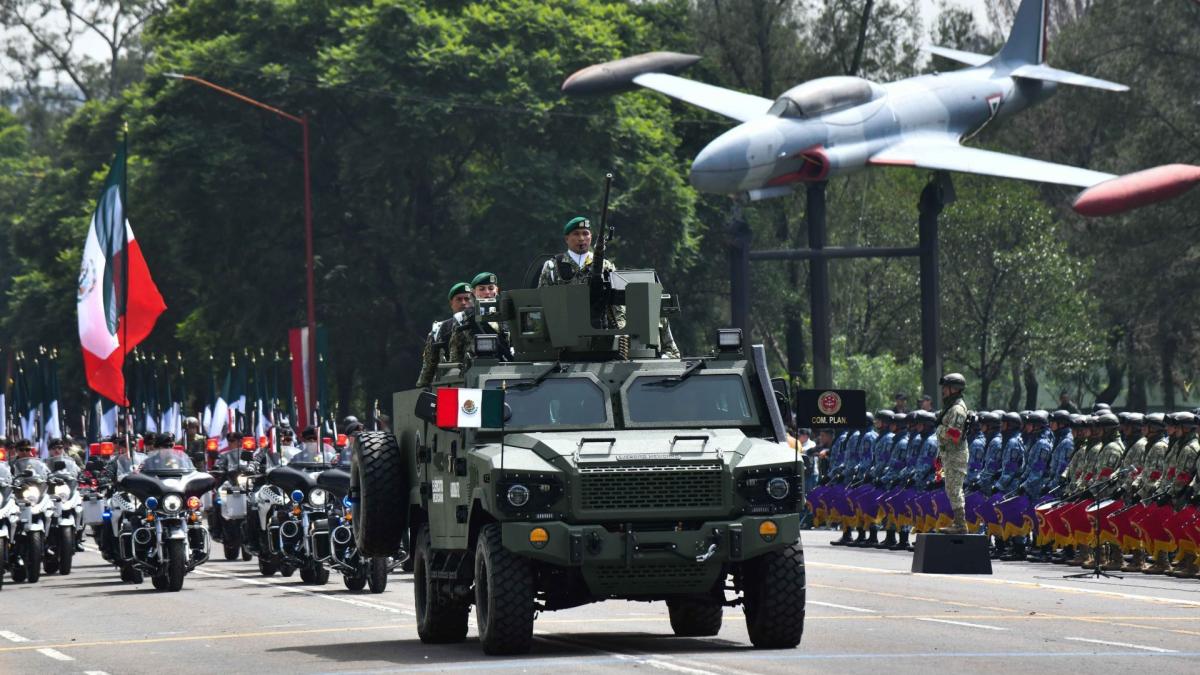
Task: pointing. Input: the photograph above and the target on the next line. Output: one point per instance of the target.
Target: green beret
(484, 278)
(576, 223)
(460, 287)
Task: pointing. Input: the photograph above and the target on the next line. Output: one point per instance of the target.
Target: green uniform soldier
(437, 343)
(1102, 465)
(952, 447)
(574, 267)
(485, 286)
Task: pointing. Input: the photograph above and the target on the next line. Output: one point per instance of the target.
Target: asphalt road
(866, 612)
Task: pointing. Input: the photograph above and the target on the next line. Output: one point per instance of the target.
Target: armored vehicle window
(708, 400)
(560, 400)
(822, 95)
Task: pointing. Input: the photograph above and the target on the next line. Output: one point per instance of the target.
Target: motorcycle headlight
(31, 493)
(517, 495)
(318, 497)
(62, 491)
(172, 503)
(778, 488)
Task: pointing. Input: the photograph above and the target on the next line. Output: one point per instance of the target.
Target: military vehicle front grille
(665, 577)
(666, 486)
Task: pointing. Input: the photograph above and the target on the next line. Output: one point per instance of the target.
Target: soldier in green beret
(437, 343)
(485, 287)
(574, 267)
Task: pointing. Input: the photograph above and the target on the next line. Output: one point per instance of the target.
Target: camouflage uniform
(952, 451)
(1154, 466)
(437, 348)
(463, 340)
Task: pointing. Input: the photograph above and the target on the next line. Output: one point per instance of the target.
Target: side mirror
(426, 408)
(507, 412)
(781, 388)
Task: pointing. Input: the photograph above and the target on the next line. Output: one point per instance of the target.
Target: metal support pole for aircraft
(818, 287)
(936, 195)
(740, 236)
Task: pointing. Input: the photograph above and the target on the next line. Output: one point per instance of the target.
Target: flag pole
(125, 286)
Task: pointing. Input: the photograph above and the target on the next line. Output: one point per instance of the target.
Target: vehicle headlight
(517, 495)
(318, 497)
(172, 503)
(778, 488)
(31, 493)
(62, 490)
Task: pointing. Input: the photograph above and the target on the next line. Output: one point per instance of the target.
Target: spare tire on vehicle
(378, 492)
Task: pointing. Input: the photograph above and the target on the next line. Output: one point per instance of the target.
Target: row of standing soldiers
(1046, 486)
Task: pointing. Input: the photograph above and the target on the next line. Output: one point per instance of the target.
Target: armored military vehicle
(614, 474)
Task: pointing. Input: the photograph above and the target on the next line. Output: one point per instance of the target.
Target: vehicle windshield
(63, 466)
(167, 460)
(560, 400)
(717, 400)
(29, 465)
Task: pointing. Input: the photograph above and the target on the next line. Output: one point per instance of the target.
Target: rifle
(599, 291)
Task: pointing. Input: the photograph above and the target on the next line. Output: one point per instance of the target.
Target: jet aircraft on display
(837, 125)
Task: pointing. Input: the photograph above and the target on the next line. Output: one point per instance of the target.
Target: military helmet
(870, 419)
(1183, 419)
(926, 417)
(1157, 420)
(900, 418)
(1129, 417)
(885, 415)
(1061, 416)
(1014, 418)
(1099, 406)
(953, 380)
(1107, 420)
(1078, 421)
(1039, 418)
(988, 417)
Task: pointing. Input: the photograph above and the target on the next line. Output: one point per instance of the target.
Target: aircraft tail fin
(1027, 41)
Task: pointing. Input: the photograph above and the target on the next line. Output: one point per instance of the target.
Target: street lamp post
(310, 284)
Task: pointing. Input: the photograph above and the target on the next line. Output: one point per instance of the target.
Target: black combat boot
(872, 538)
(858, 537)
(1016, 550)
(902, 544)
(889, 540)
(845, 540)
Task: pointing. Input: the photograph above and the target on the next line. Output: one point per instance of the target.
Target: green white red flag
(470, 408)
(117, 300)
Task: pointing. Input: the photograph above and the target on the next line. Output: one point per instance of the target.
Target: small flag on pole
(470, 408)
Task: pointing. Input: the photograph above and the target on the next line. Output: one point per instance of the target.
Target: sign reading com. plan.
(831, 408)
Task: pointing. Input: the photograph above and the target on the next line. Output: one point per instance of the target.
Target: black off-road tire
(231, 539)
(504, 596)
(691, 617)
(379, 493)
(440, 619)
(774, 598)
(159, 582)
(377, 574)
(286, 570)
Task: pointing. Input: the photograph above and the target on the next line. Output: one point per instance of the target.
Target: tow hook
(712, 547)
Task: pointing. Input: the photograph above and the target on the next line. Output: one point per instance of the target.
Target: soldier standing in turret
(437, 344)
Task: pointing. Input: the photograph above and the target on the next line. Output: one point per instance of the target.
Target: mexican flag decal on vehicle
(470, 408)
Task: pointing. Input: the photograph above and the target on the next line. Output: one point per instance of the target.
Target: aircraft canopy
(823, 95)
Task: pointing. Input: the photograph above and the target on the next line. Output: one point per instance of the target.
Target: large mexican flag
(118, 302)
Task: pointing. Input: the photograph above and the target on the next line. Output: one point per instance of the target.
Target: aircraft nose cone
(720, 166)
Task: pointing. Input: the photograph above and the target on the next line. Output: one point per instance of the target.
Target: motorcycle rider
(287, 444)
(309, 454)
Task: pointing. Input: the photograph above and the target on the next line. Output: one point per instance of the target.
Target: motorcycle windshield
(268, 459)
(228, 461)
(64, 467)
(30, 467)
(5, 481)
(310, 457)
(172, 462)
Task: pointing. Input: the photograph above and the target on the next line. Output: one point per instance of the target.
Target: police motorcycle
(234, 472)
(27, 532)
(162, 533)
(8, 513)
(65, 519)
(333, 538)
(289, 504)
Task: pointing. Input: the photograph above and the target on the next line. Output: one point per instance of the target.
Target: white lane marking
(962, 623)
(55, 654)
(845, 607)
(12, 637)
(1124, 644)
(1014, 582)
(674, 667)
(306, 591)
(658, 661)
(94, 672)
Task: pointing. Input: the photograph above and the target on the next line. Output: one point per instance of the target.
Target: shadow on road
(413, 651)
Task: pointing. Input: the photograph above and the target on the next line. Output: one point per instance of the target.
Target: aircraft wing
(969, 58)
(944, 153)
(1043, 72)
(727, 102)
